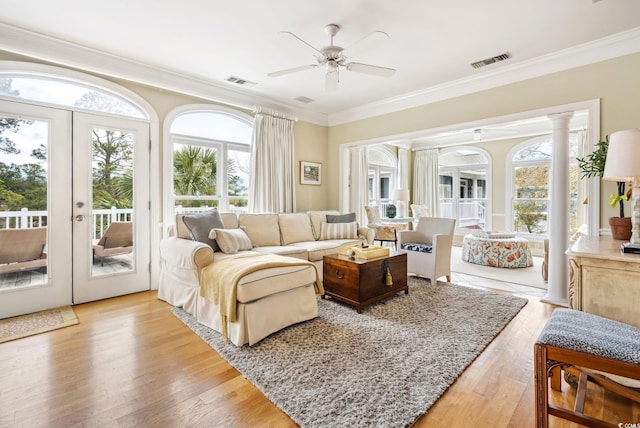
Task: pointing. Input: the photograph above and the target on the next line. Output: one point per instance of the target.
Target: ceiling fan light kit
(334, 57)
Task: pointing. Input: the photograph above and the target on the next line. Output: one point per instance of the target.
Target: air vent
(488, 61)
(304, 99)
(239, 81)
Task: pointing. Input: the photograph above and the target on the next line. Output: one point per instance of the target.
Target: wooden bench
(596, 348)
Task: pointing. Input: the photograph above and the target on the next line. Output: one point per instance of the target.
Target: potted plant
(592, 165)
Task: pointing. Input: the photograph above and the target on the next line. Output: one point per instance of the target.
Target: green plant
(593, 164)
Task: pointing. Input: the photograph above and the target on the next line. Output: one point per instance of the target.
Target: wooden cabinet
(603, 281)
(362, 282)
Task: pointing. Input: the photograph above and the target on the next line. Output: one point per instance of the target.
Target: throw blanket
(219, 281)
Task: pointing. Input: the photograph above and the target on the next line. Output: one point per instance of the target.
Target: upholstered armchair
(428, 248)
(384, 232)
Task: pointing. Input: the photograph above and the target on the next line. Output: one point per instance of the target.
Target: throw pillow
(199, 225)
(231, 240)
(342, 218)
(339, 231)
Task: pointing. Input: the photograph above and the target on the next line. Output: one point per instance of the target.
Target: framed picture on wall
(310, 173)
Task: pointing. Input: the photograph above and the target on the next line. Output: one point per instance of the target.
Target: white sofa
(269, 299)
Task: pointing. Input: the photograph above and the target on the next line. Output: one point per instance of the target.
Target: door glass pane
(23, 202)
(112, 201)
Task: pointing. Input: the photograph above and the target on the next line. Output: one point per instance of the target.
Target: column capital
(560, 117)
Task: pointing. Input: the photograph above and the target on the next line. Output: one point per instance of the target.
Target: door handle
(79, 217)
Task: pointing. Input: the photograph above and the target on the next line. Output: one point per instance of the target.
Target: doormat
(36, 323)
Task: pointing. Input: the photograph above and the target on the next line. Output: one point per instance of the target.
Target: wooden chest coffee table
(362, 282)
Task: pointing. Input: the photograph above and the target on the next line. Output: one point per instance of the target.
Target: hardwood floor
(131, 363)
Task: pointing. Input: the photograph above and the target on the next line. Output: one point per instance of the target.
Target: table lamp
(401, 196)
(623, 164)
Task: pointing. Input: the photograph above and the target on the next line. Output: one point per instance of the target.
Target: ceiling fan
(334, 57)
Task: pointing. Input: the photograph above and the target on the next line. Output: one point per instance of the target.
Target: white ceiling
(432, 43)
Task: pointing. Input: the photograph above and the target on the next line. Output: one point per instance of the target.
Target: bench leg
(541, 381)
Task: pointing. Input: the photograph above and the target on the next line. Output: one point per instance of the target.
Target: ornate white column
(558, 280)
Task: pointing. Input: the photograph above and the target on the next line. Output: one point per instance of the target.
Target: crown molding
(46, 48)
(620, 44)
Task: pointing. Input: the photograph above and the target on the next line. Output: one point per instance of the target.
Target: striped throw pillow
(231, 241)
(338, 231)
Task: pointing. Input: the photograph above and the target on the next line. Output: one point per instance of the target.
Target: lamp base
(629, 248)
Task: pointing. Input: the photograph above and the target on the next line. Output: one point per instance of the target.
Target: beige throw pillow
(262, 229)
(231, 241)
(295, 227)
(338, 231)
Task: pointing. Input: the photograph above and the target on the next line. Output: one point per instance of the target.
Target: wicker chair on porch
(117, 239)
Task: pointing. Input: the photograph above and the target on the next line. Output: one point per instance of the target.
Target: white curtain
(272, 186)
(403, 168)
(359, 183)
(425, 181)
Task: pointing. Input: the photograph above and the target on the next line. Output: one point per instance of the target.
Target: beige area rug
(531, 276)
(36, 323)
(382, 368)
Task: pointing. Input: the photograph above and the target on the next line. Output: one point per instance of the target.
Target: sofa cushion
(341, 218)
(317, 217)
(231, 241)
(338, 231)
(266, 282)
(199, 225)
(295, 227)
(262, 229)
(284, 250)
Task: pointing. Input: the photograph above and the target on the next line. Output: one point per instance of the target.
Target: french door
(35, 201)
(110, 173)
(55, 207)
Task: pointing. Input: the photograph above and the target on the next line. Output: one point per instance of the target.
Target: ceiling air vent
(304, 99)
(488, 61)
(239, 81)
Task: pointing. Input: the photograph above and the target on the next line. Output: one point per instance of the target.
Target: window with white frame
(382, 176)
(462, 186)
(530, 166)
(211, 160)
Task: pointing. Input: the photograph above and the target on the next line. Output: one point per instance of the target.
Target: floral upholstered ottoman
(500, 252)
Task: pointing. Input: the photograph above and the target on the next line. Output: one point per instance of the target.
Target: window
(468, 204)
(211, 160)
(382, 176)
(530, 169)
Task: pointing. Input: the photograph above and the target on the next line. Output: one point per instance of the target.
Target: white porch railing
(25, 219)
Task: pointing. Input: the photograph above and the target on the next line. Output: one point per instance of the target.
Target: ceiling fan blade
(331, 81)
(365, 43)
(292, 70)
(370, 69)
(290, 36)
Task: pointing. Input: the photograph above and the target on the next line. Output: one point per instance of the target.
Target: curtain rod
(274, 113)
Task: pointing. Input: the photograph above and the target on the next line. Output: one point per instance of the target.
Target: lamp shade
(623, 156)
(400, 195)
